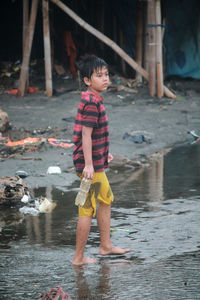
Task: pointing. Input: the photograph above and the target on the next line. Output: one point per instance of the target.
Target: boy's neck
(94, 91)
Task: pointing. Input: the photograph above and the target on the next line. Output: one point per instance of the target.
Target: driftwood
(108, 42)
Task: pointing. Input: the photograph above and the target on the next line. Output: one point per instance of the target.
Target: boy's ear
(86, 81)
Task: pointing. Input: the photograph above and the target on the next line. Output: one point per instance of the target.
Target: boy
(91, 156)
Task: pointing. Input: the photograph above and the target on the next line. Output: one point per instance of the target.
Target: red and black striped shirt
(91, 112)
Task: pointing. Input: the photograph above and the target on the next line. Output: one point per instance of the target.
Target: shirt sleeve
(90, 115)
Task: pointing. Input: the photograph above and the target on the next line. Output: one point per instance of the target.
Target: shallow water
(159, 206)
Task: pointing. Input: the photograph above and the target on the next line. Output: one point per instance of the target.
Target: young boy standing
(91, 156)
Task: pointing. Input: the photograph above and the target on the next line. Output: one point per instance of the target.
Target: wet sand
(164, 122)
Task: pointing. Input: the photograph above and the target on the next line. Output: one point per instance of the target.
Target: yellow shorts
(100, 192)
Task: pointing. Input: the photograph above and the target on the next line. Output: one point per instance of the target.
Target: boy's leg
(103, 219)
(82, 232)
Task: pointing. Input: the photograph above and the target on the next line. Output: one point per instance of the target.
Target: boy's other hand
(88, 172)
(110, 157)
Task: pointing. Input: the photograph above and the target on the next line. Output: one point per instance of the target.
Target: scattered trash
(37, 205)
(60, 143)
(121, 97)
(138, 139)
(25, 199)
(22, 174)
(30, 90)
(25, 142)
(44, 205)
(120, 229)
(4, 121)
(195, 136)
(120, 83)
(59, 69)
(54, 170)
(12, 189)
(56, 293)
(29, 210)
(12, 92)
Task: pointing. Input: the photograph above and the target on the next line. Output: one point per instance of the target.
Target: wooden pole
(152, 47)
(139, 31)
(108, 42)
(47, 47)
(25, 21)
(27, 50)
(159, 64)
(145, 37)
(25, 31)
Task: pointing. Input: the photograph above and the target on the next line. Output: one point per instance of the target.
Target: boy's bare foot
(114, 250)
(84, 261)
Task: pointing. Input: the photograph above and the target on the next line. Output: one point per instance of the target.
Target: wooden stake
(159, 65)
(152, 48)
(108, 42)
(27, 50)
(47, 47)
(139, 30)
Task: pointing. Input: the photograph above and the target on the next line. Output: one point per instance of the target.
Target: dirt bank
(163, 123)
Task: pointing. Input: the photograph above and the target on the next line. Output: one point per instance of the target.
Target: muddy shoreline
(165, 123)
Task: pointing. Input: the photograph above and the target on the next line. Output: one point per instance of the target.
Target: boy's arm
(88, 171)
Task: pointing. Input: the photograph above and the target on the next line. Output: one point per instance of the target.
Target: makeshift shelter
(142, 38)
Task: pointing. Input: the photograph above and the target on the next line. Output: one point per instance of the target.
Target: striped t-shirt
(91, 112)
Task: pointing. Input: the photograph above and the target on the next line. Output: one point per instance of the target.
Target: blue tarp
(182, 38)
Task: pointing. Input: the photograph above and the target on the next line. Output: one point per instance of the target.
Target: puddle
(156, 213)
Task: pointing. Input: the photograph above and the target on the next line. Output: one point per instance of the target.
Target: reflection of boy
(91, 156)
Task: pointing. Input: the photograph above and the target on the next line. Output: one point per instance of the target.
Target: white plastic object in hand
(82, 194)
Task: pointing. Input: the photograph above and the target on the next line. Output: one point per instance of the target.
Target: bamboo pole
(47, 47)
(145, 37)
(139, 30)
(25, 21)
(25, 31)
(108, 42)
(27, 50)
(152, 48)
(159, 65)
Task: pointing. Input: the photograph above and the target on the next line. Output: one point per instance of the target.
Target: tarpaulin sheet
(182, 38)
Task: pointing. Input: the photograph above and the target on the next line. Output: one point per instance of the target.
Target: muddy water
(156, 213)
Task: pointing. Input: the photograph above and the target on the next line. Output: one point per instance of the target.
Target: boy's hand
(88, 172)
(110, 157)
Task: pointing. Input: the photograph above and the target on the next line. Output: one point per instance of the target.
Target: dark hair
(88, 64)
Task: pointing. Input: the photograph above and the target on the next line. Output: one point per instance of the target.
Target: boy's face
(99, 80)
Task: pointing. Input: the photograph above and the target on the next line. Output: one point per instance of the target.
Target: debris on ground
(53, 170)
(119, 83)
(12, 189)
(4, 121)
(21, 174)
(138, 139)
(36, 206)
(8, 148)
(195, 136)
(56, 293)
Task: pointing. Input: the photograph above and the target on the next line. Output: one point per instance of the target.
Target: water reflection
(102, 285)
(160, 206)
(155, 178)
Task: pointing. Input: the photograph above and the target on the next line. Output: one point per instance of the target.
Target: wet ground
(156, 213)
